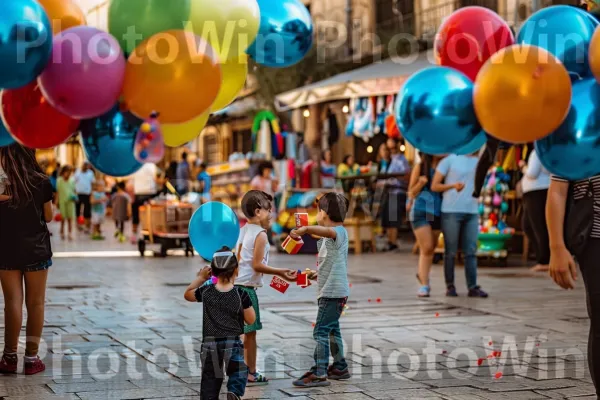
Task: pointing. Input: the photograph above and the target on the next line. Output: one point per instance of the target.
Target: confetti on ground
(498, 375)
(490, 356)
(313, 324)
(480, 361)
(444, 352)
(350, 285)
(497, 354)
(437, 314)
(370, 300)
(491, 343)
(379, 300)
(537, 345)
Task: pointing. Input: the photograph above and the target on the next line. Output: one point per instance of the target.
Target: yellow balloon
(176, 135)
(234, 72)
(230, 26)
(594, 56)
(522, 94)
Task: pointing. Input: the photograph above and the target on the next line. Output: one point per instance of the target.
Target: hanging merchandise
(275, 142)
(263, 140)
(291, 144)
(363, 124)
(391, 127)
(381, 115)
(355, 107)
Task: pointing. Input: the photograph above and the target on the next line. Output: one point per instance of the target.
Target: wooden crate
(166, 218)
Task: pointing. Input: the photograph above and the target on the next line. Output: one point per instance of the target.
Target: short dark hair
(264, 166)
(335, 206)
(184, 156)
(254, 200)
(203, 165)
(121, 185)
(224, 266)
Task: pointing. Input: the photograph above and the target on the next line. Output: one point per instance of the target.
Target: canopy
(377, 79)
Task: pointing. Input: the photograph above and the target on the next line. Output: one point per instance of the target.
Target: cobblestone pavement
(118, 328)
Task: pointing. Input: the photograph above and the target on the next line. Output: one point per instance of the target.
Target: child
(226, 308)
(205, 183)
(26, 254)
(333, 290)
(253, 253)
(67, 198)
(98, 201)
(121, 202)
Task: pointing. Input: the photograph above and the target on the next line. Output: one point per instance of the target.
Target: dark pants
(140, 200)
(215, 355)
(588, 262)
(83, 201)
(534, 205)
(465, 227)
(328, 336)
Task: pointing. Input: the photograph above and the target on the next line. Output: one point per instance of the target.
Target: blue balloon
(108, 142)
(213, 226)
(435, 111)
(5, 138)
(573, 150)
(564, 31)
(285, 35)
(474, 145)
(25, 42)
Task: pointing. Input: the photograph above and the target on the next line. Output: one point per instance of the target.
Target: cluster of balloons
(538, 87)
(181, 58)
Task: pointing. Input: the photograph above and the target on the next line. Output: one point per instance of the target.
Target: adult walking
(424, 207)
(25, 254)
(585, 215)
(145, 187)
(535, 184)
(460, 218)
(183, 175)
(84, 178)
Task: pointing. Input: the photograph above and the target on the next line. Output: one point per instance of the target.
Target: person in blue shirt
(205, 182)
(460, 218)
(424, 212)
(183, 175)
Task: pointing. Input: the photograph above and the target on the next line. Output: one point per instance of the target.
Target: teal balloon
(498, 186)
(144, 18)
(108, 142)
(564, 31)
(435, 112)
(474, 145)
(481, 209)
(213, 226)
(277, 228)
(285, 34)
(5, 138)
(572, 151)
(25, 42)
(504, 207)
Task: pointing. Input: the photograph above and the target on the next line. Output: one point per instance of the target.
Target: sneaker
(233, 396)
(8, 364)
(337, 375)
(477, 292)
(122, 238)
(34, 367)
(392, 247)
(258, 379)
(309, 380)
(424, 291)
(117, 234)
(134, 239)
(451, 291)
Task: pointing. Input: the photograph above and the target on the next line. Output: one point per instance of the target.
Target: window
(394, 16)
(242, 141)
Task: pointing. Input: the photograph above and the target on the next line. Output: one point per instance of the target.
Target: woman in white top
(535, 184)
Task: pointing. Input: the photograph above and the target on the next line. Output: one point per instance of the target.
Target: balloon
(84, 80)
(474, 145)
(285, 35)
(145, 18)
(595, 55)
(108, 143)
(5, 138)
(63, 14)
(176, 135)
(25, 42)
(213, 226)
(149, 142)
(572, 150)
(434, 111)
(469, 37)
(564, 31)
(31, 119)
(234, 73)
(230, 26)
(522, 94)
(175, 80)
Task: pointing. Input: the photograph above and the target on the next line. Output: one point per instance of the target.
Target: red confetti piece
(437, 314)
(480, 361)
(537, 345)
(313, 324)
(497, 354)
(490, 343)
(498, 375)
(370, 300)
(379, 300)
(490, 356)
(444, 352)
(350, 285)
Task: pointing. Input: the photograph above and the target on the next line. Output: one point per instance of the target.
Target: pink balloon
(86, 73)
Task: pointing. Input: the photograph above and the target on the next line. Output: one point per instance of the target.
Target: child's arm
(259, 254)
(321, 231)
(4, 197)
(203, 276)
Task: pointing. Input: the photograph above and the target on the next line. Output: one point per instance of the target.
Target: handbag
(580, 220)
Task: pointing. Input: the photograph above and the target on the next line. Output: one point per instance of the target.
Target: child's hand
(289, 275)
(205, 273)
(313, 275)
(299, 232)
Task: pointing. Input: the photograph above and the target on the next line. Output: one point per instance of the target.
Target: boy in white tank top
(253, 255)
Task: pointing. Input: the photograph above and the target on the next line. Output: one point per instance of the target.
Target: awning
(377, 79)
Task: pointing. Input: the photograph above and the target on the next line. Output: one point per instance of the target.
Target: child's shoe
(258, 379)
(8, 364)
(309, 379)
(122, 238)
(233, 396)
(424, 291)
(34, 366)
(451, 291)
(337, 375)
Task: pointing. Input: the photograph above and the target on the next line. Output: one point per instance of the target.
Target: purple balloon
(85, 76)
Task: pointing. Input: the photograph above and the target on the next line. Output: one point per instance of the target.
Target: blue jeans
(465, 227)
(328, 336)
(215, 354)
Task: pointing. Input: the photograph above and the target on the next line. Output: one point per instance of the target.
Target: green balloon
(133, 21)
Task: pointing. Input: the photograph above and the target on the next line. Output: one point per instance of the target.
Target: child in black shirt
(226, 309)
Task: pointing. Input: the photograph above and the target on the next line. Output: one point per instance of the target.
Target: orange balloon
(63, 14)
(594, 54)
(175, 73)
(522, 94)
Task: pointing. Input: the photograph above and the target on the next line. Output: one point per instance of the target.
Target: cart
(165, 224)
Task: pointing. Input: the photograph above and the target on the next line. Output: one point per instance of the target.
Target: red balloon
(469, 37)
(32, 121)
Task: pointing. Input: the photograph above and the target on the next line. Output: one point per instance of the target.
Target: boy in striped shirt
(333, 290)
